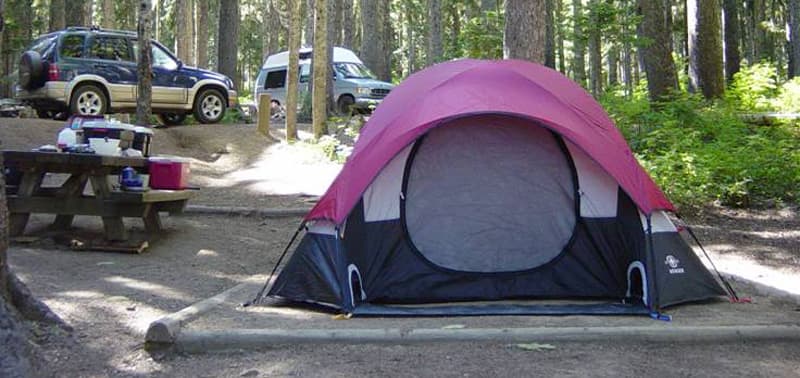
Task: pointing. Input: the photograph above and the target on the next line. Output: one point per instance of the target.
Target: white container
(104, 146)
(66, 138)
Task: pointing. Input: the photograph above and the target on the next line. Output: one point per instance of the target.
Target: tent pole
(260, 296)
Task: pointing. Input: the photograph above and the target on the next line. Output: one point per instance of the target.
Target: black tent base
(377, 310)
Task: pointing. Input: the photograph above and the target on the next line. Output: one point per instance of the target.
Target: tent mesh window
(489, 199)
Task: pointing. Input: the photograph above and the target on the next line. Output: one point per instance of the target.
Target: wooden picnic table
(69, 199)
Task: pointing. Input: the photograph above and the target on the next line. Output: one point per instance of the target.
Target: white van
(354, 85)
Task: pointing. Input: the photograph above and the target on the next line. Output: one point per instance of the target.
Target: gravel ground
(110, 298)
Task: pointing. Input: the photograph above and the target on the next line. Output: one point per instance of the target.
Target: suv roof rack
(99, 29)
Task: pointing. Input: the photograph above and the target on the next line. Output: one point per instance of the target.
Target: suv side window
(275, 79)
(72, 46)
(110, 48)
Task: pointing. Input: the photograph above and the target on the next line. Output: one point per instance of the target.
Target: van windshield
(353, 71)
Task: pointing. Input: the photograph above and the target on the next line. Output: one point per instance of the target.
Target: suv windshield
(353, 71)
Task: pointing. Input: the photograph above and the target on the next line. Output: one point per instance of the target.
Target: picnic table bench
(68, 200)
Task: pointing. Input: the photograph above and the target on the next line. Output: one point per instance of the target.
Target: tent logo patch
(673, 264)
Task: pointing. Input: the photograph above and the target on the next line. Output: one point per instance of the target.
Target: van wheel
(88, 100)
(345, 105)
(209, 106)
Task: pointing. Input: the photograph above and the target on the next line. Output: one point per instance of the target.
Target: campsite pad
(230, 317)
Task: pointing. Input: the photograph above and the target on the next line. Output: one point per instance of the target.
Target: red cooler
(169, 173)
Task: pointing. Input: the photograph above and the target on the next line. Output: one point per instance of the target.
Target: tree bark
(733, 59)
(330, 39)
(145, 66)
(578, 44)
(75, 13)
(550, 35)
(595, 51)
(308, 35)
(372, 36)
(293, 72)
(433, 53)
(411, 48)
(57, 15)
(794, 38)
(320, 75)
(109, 20)
(202, 33)
(559, 31)
(705, 47)
(184, 26)
(524, 35)
(228, 40)
(349, 22)
(656, 56)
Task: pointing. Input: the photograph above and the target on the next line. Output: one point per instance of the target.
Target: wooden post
(264, 115)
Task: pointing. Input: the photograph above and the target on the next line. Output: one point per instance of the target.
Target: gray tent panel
(494, 197)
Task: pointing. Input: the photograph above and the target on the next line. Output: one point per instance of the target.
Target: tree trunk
(578, 44)
(411, 47)
(337, 18)
(705, 47)
(733, 59)
(227, 48)
(293, 72)
(308, 35)
(145, 67)
(434, 48)
(183, 30)
(595, 50)
(372, 36)
(524, 34)
(388, 41)
(560, 53)
(320, 74)
(202, 33)
(349, 24)
(550, 35)
(657, 55)
(330, 42)
(794, 38)
(613, 65)
(627, 53)
(57, 15)
(75, 13)
(107, 8)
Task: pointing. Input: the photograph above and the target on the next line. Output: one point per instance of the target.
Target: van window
(275, 79)
(72, 46)
(305, 72)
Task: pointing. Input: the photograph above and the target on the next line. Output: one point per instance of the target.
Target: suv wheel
(88, 100)
(171, 119)
(209, 106)
(31, 70)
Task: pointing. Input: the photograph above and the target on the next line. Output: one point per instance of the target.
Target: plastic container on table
(142, 136)
(169, 173)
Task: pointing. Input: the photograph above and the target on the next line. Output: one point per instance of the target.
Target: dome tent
(490, 181)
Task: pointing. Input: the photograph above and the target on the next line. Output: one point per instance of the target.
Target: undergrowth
(700, 152)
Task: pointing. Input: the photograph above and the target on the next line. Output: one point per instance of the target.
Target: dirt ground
(110, 298)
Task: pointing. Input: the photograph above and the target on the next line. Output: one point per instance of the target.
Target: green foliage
(753, 87)
(699, 152)
(788, 98)
(482, 37)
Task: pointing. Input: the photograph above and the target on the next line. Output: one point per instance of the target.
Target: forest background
(705, 91)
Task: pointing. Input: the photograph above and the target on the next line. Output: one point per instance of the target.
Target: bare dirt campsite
(109, 299)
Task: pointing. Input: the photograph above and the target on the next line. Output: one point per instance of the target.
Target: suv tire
(31, 70)
(209, 106)
(171, 119)
(87, 100)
